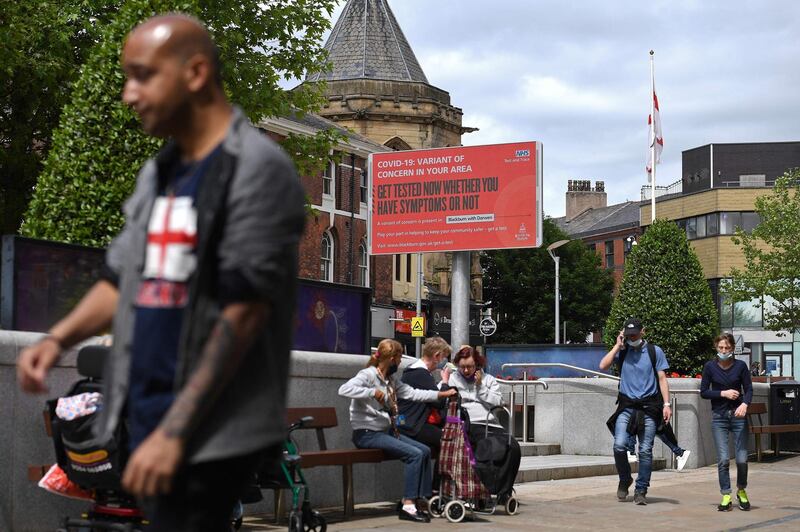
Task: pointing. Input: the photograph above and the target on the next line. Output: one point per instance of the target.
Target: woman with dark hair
(374, 392)
(480, 392)
(726, 382)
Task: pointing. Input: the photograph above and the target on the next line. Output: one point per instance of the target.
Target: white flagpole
(653, 140)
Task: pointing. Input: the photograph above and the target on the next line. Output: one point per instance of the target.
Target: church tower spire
(376, 86)
(368, 43)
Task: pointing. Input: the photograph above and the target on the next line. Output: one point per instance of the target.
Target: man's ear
(198, 72)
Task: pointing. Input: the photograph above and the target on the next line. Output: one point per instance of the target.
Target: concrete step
(539, 449)
(561, 466)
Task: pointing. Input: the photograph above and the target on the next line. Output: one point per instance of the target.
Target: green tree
(98, 145)
(42, 45)
(521, 284)
(663, 286)
(772, 257)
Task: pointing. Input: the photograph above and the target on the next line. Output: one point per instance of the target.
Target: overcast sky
(576, 76)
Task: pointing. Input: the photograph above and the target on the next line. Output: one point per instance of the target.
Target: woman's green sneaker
(726, 504)
(744, 502)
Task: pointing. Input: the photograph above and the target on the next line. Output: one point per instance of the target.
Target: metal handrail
(673, 394)
(674, 407)
(558, 365)
(510, 382)
(512, 400)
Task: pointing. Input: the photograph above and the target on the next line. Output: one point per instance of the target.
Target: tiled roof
(319, 123)
(602, 220)
(367, 43)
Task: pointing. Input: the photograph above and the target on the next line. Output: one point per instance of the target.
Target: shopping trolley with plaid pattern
(460, 492)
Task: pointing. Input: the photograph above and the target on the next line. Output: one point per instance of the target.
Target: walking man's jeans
(647, 435)
(723, 425)
(416, 457)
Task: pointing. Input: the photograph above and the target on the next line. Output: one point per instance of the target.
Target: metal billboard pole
(459, 300)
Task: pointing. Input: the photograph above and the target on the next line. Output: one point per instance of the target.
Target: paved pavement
(682, 501)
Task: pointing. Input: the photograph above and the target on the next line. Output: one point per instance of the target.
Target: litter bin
(784, 409)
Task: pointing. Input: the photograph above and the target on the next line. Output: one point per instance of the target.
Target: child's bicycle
(290, 476)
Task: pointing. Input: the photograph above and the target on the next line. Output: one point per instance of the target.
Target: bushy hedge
(664, 286)
(98, 146)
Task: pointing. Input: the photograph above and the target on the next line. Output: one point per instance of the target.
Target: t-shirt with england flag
(170, 261)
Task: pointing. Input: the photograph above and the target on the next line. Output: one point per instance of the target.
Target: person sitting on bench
(373, 395)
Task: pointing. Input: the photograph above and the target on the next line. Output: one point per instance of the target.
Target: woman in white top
(374, 392)
(480, 392)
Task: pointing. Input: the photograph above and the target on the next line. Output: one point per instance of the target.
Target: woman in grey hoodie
(374, 392)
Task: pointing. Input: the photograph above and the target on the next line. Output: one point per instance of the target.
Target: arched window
(363, 264)
(397, 144)
(326, 257)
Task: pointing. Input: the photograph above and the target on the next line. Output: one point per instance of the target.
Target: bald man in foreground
(200, 287)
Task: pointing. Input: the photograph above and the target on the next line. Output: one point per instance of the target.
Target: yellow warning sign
(418, 326)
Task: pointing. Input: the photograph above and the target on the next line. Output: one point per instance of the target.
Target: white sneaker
(683, 459)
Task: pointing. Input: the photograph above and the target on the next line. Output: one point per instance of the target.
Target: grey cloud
(725, 72)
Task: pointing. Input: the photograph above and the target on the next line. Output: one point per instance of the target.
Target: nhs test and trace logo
(522, 153)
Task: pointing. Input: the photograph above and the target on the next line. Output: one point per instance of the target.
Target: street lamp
(556, 258)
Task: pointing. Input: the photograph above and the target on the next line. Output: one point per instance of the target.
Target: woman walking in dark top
(726, 381)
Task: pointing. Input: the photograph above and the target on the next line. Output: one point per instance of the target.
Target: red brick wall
(381, 278)
(310, 244)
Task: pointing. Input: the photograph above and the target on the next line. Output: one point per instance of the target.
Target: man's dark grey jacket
(250, 216)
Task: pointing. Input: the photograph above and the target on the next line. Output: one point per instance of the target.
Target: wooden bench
(756, 410)
(325, 418)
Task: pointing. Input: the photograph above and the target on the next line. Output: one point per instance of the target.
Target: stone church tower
(376, 88)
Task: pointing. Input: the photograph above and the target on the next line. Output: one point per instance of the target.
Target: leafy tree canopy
(772, 257)
(521, 283)
(663, 286)
(42, 45)
(98, 145)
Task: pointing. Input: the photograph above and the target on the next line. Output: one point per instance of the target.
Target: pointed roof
(367, 43)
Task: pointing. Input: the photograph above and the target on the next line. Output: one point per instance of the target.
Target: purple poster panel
(331, 318)
(586, 356)
(43, 281)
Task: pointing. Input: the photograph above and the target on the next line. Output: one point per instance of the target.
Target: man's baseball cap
(632, 327)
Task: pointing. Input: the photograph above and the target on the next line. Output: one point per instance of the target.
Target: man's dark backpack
(651, 350)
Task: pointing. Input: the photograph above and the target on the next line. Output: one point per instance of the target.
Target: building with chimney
(611, 231)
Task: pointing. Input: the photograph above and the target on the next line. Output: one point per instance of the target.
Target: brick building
(377, 89)
(609, 230)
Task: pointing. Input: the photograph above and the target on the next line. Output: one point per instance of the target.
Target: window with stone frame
(326, 258)
(363, 187)
(327, 179)
(609, 248)
(363, 264)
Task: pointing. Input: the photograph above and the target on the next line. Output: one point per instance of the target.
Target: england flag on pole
(656, 140)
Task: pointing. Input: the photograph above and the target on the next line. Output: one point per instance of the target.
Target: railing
(673, 394)
(673, 400)
(558, 365)
(661, 190)
(512, 400)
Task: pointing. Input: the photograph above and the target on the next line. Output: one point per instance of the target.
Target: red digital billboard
(456, 199)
